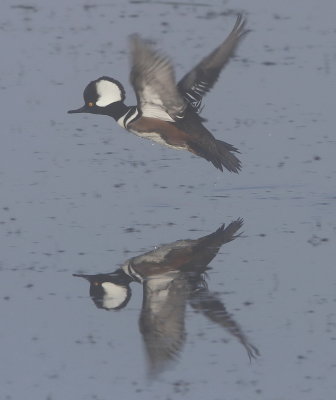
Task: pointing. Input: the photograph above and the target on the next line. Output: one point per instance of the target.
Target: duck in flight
(166, 112)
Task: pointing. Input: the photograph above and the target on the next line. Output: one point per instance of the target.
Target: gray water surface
(80, 195)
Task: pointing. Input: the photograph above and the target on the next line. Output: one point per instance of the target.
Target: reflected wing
(194, 85)
(184, 255)
(213, 309)
(208, 246)
(162, 320)
(153, 80)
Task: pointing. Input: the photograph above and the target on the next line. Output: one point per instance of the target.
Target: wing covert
(153, 79)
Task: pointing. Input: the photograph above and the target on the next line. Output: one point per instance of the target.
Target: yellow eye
(90, 104)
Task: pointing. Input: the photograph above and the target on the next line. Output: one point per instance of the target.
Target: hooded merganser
(166, 112)
(172, 275)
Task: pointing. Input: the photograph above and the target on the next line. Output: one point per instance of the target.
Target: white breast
(156, 137)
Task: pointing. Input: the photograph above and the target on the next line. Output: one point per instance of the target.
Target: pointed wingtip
(239, 27)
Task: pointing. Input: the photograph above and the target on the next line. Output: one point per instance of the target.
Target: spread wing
(153, 80)
(213, 309)
(162, 320)
(195, 84)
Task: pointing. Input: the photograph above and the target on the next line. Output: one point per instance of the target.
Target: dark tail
(225, 234)
(225, 157)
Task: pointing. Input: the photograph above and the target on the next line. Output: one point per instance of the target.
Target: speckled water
(79, 194)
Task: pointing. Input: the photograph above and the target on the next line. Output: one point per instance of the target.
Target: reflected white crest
(114, 295)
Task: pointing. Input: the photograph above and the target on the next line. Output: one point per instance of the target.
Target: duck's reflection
(171, 275)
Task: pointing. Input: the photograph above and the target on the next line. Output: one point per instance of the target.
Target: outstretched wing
(195, 84)
(153, 80)
(162, 320)
(213, 309)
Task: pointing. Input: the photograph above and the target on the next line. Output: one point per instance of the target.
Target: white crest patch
(114, 295)
(108, 92)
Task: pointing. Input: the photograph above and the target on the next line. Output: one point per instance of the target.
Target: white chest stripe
(129, 117)
(134, 113)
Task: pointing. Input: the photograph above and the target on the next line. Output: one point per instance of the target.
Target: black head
(109, 291)
(100, 94)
